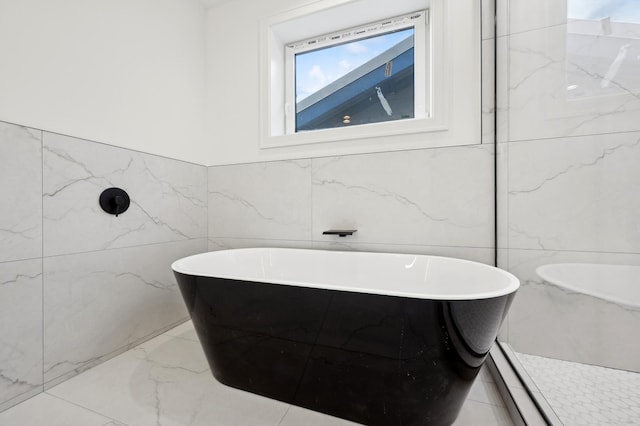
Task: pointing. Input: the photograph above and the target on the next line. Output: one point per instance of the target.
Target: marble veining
(101, 284)
(108, 300)
(547, 320)
(567, 118)
(21, 186)
(168, 200)
(410, 193)
(166, 381)
(548, 85)
(20, 328)
(542, 215)
(260, 200)
(400, 200)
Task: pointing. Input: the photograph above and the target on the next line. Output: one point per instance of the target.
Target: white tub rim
(193, 265)
(546, 272)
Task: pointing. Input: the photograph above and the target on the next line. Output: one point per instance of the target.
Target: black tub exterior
(372, 359)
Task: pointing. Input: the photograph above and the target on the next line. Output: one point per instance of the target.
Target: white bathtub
(376, 338)
(405, 275)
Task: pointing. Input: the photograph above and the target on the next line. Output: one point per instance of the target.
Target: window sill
(366, 131)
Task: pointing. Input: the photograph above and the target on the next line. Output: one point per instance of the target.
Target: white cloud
(356, 48)
(316, 80)
(344, 66)
(317, 76)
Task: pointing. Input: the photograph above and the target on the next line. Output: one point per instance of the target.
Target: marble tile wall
(398, 201)
(78, 286)
(431, 201)
(569, 144)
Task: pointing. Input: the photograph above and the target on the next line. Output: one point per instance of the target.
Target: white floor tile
(48, 410)
(297, 416)
(480, 414)
(485, 375)
(166, 381)
(486, 392)
(184, 331)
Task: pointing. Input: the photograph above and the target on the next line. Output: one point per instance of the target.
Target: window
(368, 74)
(398, 97)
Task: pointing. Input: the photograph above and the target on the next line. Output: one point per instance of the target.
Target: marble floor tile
(297, 416)
(485, 392)
(184, 331)
(485, 375)
(166, 381)
(475, 413)
(48, 410)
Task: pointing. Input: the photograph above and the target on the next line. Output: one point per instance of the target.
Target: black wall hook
(114, 201)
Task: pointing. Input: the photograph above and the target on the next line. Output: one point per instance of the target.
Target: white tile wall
(108, 300)
(20, 329)
(261, 200)
(526, 16)
(427, 197)
(102, 283)
(539, 107)
(575, 193)
(168, 198)
(398, 201)
(567, 168)
(550, 321)
(21, 189)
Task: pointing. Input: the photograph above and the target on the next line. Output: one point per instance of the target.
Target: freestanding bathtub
(376, 338)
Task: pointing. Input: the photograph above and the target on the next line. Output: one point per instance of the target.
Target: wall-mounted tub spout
(340, 232)
(114, 201)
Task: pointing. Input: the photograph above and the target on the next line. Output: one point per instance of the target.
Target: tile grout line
(79, 138)
(284, 415)
(121, 248)
(42, 277)
(83, 407)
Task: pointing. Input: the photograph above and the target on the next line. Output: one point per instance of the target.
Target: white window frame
(453, 78)
(418, 21)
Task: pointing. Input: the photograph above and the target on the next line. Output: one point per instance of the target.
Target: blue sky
(318, 68)
(617, 10)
